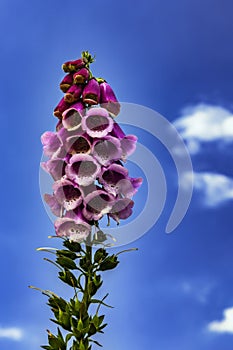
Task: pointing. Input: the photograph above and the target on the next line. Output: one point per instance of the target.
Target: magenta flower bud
(91, 92)
(73, 94)
(81, 76)
(96, 204)
(97, 122)
(108, 99)
(83, 169)
(73, 66)
(61, 107)
(117, 131)
(73, 226)
(67, 194)
(122, 209)
(67, 82)
(106, 150)
(72, 117)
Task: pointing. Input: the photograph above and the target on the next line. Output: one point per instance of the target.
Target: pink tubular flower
(97, 122)
(67, 194)
(122, 209)
(96, 204)
(115, 180)
(72, 117)
(78, 144)
(66, 82)
(128, 146)
(54, 205)
(73, 226)
(73, 94)
(55, 167)
(82, 169)
(81, 76)
(106, 150)
(108, 99)
(53, 145)
(91, 92)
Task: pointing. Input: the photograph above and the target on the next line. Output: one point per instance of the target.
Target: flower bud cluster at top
(86, 155)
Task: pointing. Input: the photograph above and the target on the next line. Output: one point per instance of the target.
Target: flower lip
(67, 194)
(97, 122)
(72, 117)
(83, 169)
(96, 204)
(128, 145)
(106, 150)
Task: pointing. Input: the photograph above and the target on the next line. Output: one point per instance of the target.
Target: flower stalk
(85, 159)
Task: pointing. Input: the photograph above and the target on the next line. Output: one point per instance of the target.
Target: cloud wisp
(225, 325)
(12, 333)
(205, 123)
(215, 189)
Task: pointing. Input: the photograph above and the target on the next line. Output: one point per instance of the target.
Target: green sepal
(100, 255)
(72, 246)
(68, 277)
(109, 263)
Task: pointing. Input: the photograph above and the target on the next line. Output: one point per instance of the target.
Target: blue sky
(176, 292)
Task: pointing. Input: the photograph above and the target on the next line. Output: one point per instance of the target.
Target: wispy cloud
(215, 188)
(204, 123)
(225, 325)
(200, 290)
(12, 333)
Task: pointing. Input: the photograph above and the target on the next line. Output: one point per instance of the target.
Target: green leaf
(96, 342)
(68, 337)
(66, 262)
(96, 301)
(85, 263)
(47, 347)
(67, 253)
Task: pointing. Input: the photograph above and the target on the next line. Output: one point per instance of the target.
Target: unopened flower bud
(66, 83)
(91, 92)
(73, 94)
(61, 107)
(73, 66)
(81, 76)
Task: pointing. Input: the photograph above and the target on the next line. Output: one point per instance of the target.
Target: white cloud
(225, 325)
(12, 333)
(215, 188)
(204, 123)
